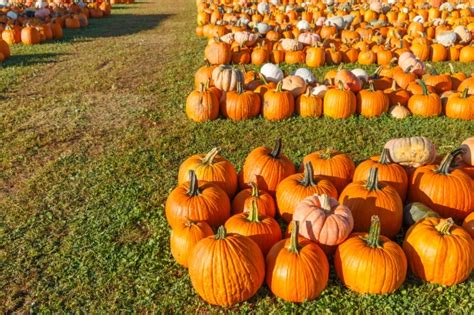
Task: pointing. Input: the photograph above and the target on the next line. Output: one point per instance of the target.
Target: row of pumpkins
(400, 90)
(321, 34)
(334, 208)
(34, 26)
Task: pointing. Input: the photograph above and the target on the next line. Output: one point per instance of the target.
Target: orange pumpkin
(426, 104)
(372, 103)
(244, 199)
(278, 104)
(185, 236)
(339, 103)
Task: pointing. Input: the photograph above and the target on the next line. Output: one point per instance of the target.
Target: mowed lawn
(92, 132)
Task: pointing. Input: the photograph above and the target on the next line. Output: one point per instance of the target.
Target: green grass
(91, 136)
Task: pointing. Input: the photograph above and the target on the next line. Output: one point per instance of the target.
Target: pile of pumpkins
(224, 227)
(225, 232)
(402, 90)
(328, 32)
(44, 21)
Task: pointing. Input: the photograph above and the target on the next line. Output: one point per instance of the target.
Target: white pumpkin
(275, 2)
(263, 28)
(361, 74)
(290, 44)
(306, 75)
(272, 72)
(227, 38)
(336, 21)
(399, 112)
(40, 4)
(320, 21)
(419, 19)
(12, 15)
(245, 38)
(446, 39)
(303, 25)
(309, 38)
(319, 90)
(446, 7)
(376, 6)
(463, 33)
(263, 8)
(348, 19)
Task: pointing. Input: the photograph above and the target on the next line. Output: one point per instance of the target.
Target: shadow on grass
(32, 59)
(116, 25)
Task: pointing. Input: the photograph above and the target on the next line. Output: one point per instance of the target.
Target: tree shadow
(115, 25)
(23, 60)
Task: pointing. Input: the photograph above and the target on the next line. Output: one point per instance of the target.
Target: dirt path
(94, 90)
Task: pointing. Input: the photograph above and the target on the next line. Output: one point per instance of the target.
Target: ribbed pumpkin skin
(297, 277)
(438, 258)
(241, 106)
(325, 227)
(290, 192)
(364, 203)
(460, 107)
(243, 202)
(202, 106)
(265, 233)
(260, 167)
(218, 170)
(449, 195)
(336, 166)
(372, 103)
(392, 174)
(309, 105)
(339, 104)
(468, 224)
(226, 271)
(184, 237)
(278, 105)
(370, 270)
(211, 205)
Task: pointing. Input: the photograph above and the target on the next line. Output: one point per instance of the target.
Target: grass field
(92, 131)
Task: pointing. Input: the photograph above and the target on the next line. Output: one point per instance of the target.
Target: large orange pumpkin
(339, 103)
(226, 269)
(278, 104)
(197, 201)
(450, 192)
(297, 187)
(185, 236)
(439, 251)
(210, 167)
(202, 105)
(333, 165)
(267, 168)
(297, 269)
(368, 198)
(389, 173)
(262, 229)
(370, 262)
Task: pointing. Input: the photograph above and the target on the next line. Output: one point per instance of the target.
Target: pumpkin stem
(325, 202)
(255, 191)
(445, 164)
(371, 86)
(464, 93)
(308, 175)
(423, 86)
(372, 180)
(373, 239)
(276, 149)
(394, 85)
(221, 233)
(385, 156)
(189, 222)
(240, 89)
(294, 238)
(340, 85)
(209, 158)
(444, 226)
(451, 68)
(202, 87)
(253, 214)
(278, 87)
(193, 189)
(326, 154)
(262, 77)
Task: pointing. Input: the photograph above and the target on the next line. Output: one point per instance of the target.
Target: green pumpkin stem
(253, 214)
(444, 226)
(255, 191)
(372, 180)
(325, 202)
(209, 158)
(340, 85)
(262, 77)
(373, 239)
(193, 189)
(371, 86)
(221, 233)
(326, 154)
(423, 86)
(446, 163)
(276, 150)
(385, 156)
(240, 88)
(202, 87)
(308, 175)
(279, 86)
(294, 237)
(464, 93)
